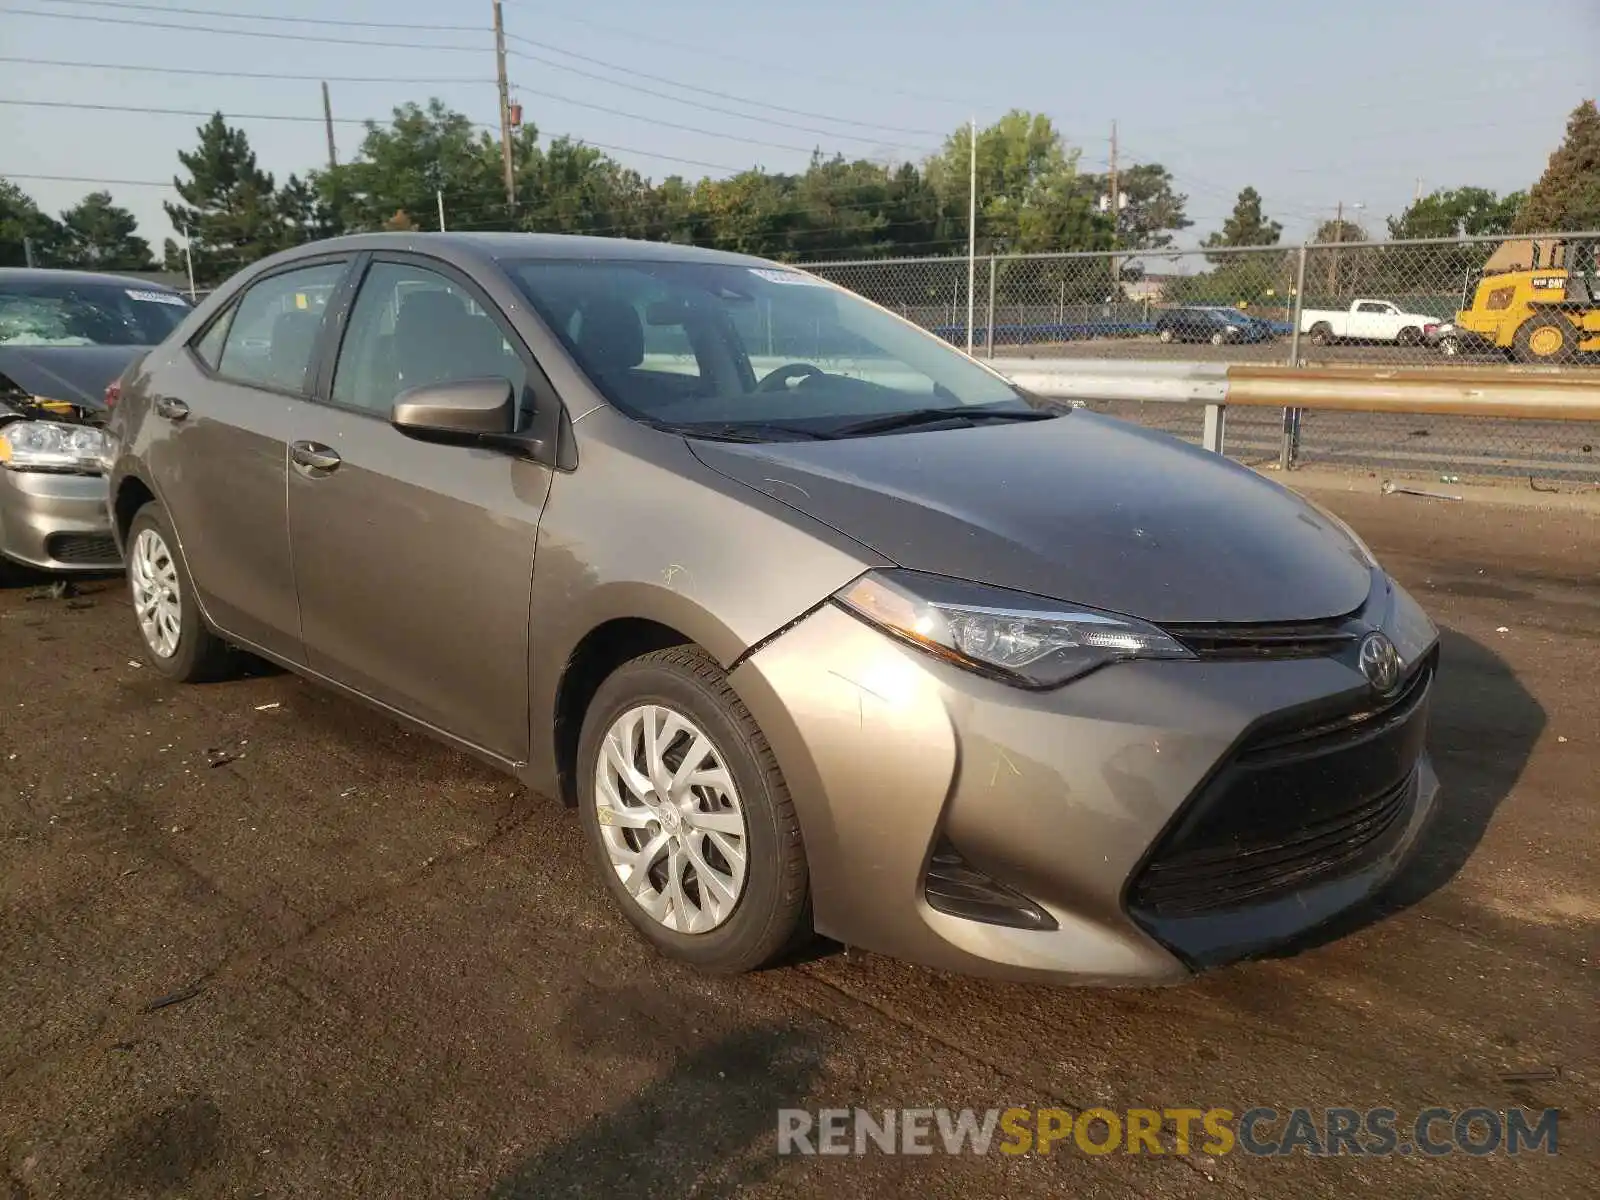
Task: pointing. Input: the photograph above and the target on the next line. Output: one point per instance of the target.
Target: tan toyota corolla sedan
(819, 623)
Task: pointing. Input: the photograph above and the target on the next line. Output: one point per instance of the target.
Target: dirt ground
(255, 941)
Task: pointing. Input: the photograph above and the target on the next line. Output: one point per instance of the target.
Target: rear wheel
(688, 817)
(1547, 338)
(1165, 335)
(176, 640)
(1322, 334)
(1218, 338)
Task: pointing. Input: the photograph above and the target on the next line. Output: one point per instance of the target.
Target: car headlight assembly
(54, 446)
(1026, 640)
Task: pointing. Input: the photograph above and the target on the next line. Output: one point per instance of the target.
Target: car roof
(55, 275)
(505, 246)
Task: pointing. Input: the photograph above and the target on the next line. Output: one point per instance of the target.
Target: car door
(228, 404)
(1368, 321)
(414, 559)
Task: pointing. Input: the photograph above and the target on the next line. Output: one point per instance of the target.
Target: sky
(1353, 101)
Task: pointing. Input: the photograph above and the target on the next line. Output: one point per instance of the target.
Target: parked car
(1214, 325)
(64, 336)
(819, 623)
(1365, 321)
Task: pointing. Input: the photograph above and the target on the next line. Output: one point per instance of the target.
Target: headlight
(54, 446)
(1027, 640)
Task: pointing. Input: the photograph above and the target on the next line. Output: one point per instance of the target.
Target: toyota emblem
(1380, 662)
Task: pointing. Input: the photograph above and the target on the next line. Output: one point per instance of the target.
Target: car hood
(76, 373)
(1083, 508)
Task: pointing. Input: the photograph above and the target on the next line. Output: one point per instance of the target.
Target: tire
(1165, 335)
(155, 563)
(1409, 336)
(1322, 334)
(1450, 347)
(1218, 339)
(1547, 338)
(770, 912)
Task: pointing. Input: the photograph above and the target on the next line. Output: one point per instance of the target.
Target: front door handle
(314, 456)
(171, 408)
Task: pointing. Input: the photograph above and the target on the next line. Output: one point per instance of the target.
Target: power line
(249, 33)
(275, 17)
(689, 87)
(194, 112)
(744, 60)
(617, 112)
(633, 87)
(316, 78)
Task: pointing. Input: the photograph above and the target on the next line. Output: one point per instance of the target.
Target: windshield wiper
(931, 416)
(746, 431)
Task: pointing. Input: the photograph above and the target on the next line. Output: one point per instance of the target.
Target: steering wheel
(778, 380)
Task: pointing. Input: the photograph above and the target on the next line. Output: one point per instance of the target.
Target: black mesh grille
(83, 549)
(1302, 800)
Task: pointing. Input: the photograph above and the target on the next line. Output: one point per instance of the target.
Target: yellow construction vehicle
(1538, 300)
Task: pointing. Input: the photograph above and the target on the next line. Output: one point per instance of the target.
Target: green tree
(1030, 196)
(22, 222)
(230, 208)
(1152, 209)
(1339, 231)
(97, 235)
(1567, 196)
(1247, 225)
(1457, 212)
(404, 166)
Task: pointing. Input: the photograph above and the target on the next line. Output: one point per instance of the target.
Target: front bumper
(896, 760)
(56, 522)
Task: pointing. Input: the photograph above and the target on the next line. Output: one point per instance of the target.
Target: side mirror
(477, 412)
(465, 409)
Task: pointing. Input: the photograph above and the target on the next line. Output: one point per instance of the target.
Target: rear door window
(273, 335)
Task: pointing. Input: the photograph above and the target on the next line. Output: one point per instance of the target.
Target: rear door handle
(314, 456)
(170, 408)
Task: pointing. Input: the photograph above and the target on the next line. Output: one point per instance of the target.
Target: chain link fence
(1436, 304)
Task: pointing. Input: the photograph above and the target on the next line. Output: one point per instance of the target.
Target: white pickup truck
(1365, 321)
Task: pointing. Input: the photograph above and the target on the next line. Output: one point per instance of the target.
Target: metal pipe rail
(1534, 393)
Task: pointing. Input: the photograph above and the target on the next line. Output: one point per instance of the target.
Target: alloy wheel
(670, 819)
(153, 579)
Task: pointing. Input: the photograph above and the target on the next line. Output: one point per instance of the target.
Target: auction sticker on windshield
(790, 277)
(158, 297)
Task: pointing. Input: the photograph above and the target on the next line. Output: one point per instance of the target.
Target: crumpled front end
(1131, 827)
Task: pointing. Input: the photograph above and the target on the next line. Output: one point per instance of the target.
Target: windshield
(52, 313)
(707, 345)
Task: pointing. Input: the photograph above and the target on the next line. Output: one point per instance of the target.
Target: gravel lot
(258, 942)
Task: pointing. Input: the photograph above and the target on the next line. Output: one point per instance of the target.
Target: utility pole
(1116, 207)
(188, 262)
(27, 250)
(505, 105)
(1418, 198)
(327, 121)
(1338, 236)
(972, 223)
(440, 196)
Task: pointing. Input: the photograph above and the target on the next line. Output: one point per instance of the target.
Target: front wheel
(688, 817)
(1218, 338)
(1409, 336)
(1450, 347)
(1165, 335)
(176, 640)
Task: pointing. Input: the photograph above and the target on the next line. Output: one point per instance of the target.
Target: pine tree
(24, 225)
(1567, 196)
(231, 212)
(1246, 225)
(97, 235)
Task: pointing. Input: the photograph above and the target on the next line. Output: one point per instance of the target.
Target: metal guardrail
(1528, 394)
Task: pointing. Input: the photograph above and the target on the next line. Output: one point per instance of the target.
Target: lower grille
(1301, 801)
(953, 885)
(83, 549)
